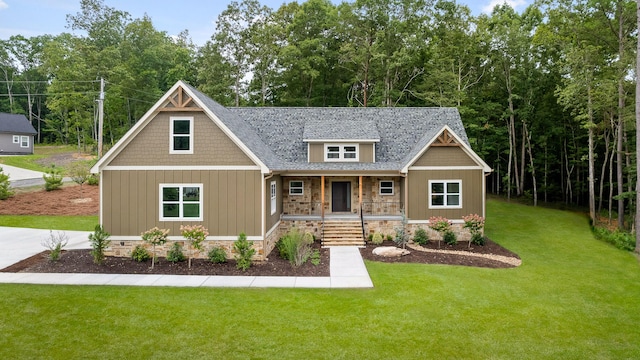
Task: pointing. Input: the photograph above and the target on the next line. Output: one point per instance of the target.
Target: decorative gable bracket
(179, 101)
(445, 139)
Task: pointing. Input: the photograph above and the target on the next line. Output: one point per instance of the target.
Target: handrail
(382, 207)
(362, 223)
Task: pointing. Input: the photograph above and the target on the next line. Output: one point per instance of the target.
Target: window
(274, 194)
(181, 136)
(445, 194)
(180, 202)
(296, 187)
(338, 152)
(16, 139)
(24, 141)
(386, 187)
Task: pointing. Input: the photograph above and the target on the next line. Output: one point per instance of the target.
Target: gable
(445, 156)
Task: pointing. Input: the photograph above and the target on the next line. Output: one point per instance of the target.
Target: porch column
(360, 193)
(322, 196)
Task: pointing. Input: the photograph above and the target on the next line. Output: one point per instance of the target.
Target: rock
(390, 251)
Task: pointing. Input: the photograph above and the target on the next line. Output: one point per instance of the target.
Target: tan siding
(316, 153)
(150, 147)
(472, 193)
(131, 201)
(445, 156)
(366, 152)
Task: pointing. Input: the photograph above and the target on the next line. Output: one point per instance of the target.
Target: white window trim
(301, 187)
(274, 197)
(24, 139)
(181, 217)
(16, 139)
(171, 135)
(341, 152)
(445, 206)
(393, 188)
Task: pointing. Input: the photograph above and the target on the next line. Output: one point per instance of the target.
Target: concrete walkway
(347, 269)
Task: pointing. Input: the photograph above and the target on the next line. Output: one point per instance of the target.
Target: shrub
(440, 224)
(93, 180)
(402, 235)
(477, 239)
(315, 257)
(309, 238)
(52, 179)
(243, 252)
(295, 247)
(99, 242)
(377, 239)
(389, 237)
(217, 255)
(155, 237)
(140, 254)
(194, 235)
(5, 186)
(449, 237)
(79, 172)
(55, 243)
(619, 239)
(370, 238)
(420, 237)
(175, 253)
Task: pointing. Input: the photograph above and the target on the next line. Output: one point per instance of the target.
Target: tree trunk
(591, 180)
(533, 169)
(621, 75)
(637, 214)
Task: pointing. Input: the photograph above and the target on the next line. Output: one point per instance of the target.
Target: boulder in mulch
(390, 251)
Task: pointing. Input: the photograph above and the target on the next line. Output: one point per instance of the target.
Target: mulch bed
(68, 200)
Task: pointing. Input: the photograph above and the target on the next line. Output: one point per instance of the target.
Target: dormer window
(181, 137)
(341, 152)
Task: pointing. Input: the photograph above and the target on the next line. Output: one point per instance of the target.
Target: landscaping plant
(79, 172)
(402, 235)
(155, 237)
(421, 237)
(217, 255)
(475, 223)
(175, 254)
(99, 242)
(443, 226)
(244, 251)
(195, 235)
(140, 254)
(53, 178)
(5, 186)
(377, 239)
(295, 247)
(55, 243)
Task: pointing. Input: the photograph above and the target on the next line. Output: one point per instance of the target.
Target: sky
(38, 17)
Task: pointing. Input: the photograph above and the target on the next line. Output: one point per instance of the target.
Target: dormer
(346, 140)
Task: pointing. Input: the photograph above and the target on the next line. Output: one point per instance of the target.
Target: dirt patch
(63, 159)
(68, 200)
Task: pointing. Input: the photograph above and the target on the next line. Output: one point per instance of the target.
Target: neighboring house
(16, 134)
(340, 173)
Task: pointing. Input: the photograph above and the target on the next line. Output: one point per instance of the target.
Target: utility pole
(100, 117)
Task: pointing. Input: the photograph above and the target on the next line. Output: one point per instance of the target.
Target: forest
(547, 95)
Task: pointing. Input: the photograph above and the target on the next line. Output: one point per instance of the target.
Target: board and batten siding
(231, 201)
(418, 188)
(445, 156)
(211, 146)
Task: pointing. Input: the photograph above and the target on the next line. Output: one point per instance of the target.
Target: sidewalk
(347, 269)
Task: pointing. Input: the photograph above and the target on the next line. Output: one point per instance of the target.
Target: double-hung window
(16, 139)
(274, 197)
(181, 202)
(181, 138)
(445, 194)
(386, 187)
(296, 187)
(24, 141)
(341, 152)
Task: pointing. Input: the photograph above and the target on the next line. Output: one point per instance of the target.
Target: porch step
(343, 233)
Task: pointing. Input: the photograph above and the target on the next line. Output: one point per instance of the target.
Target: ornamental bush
(217, 255)
(295, 247)
(52, 179)
(140, 254)
(55, 243)
(449, 237)
(377, 239)
(195, 235)
(244, 251)
(421, 237)
(5, 186)
(99, 243)
(477, 239)
(175, 253)
(155, 237)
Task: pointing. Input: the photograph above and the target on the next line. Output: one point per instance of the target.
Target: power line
(48, 81)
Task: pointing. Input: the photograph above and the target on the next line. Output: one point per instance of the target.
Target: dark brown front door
(341, 196)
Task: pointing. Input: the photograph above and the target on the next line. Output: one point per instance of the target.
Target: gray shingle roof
(16, 124)
(340, 128)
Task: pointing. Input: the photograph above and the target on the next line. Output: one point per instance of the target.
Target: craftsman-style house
(340, 173)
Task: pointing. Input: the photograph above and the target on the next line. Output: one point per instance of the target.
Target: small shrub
(370, 238)
(377, 239)
(175, 253)
(79, 172)
(295, 247)
(55, 243)
(140, 254)
(402, 235)
(99, 243)
(243, 252)
(309, 238)
(5, 186)
(52, 179)
(420, 237)
(449, 237)
(389, 237)
(619, 239)
(477, 239)
(155, 237)
(217, 255)
(194, 235)
(315, 257)
(93, 180)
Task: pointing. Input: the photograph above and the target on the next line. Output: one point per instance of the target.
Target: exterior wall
(8, 147)
(418, 188)
(272, 220)
(125, 248)
(231, 201)
(388, 227)
(366, 152)
(445, 156)
(211, 146)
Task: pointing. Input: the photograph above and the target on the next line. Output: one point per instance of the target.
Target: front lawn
(55, 222)
(574, 297)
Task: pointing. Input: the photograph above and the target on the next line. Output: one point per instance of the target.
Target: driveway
(19, 177)
(17, 244)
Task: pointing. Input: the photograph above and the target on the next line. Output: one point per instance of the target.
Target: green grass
(40, 152)
(80, 223)
(574, 297)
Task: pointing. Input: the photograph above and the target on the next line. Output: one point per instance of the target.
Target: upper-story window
(181, 135)
(341, 152)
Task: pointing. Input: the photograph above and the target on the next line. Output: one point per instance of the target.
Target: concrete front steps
(343, 233)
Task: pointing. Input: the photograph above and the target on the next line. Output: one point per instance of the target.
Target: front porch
(343, 210)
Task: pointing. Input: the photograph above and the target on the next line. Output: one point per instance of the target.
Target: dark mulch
(81, 261)
(415, 256)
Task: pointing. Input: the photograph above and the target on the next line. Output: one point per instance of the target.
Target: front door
(341, 196)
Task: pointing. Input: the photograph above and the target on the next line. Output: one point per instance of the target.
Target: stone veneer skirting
(123, 248)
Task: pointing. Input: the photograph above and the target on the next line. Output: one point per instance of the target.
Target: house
(16, 134)
(340, 173)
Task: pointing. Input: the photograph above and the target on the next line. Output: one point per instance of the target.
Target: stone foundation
(388, 227)
(123, 248)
